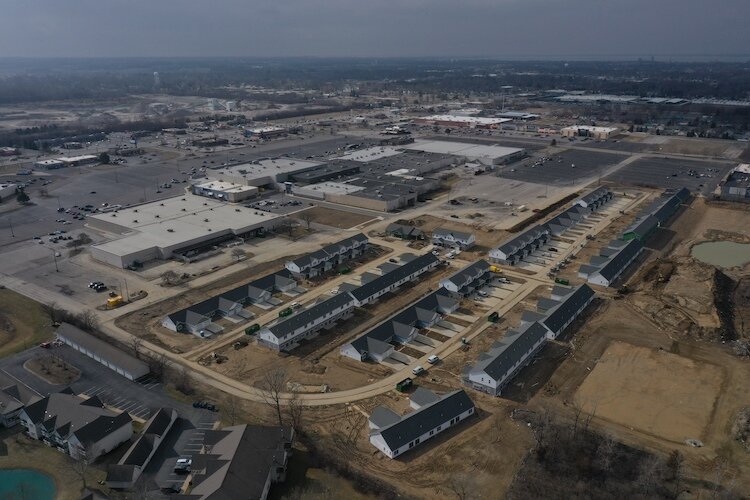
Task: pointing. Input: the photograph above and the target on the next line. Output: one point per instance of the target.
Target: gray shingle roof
(619, 262)
(568, 308)
(382, 282)
(469, 273)
(510, 352)
(642, 227)
(416, 423)
(311, 314)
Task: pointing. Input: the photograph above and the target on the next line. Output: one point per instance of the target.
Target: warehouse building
(469, 279)
(482, 153)
(225, 191)
(378, 343)
(461, 121)
(49, 164)
(7, 191)
(270, 173)
(736, 187)
(611, 263)
(179, 226)
(116, 360)
(598, 133)
(394, 434)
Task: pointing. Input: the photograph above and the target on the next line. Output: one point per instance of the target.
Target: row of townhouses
(198, 319)
(13, 397)
(517, 248)
(469, 279)
(378, 343)
(612, 261)
(656, 215)
(395, 434)
(328, 257)
(495, 368)
(287, 333)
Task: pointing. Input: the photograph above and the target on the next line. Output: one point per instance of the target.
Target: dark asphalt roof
(641, 227)
(469, 273)
(411, 316)
(118, 473)
(457, 235)
(105, 351)
(330, 250)
(419, 422)
(382, 416)
(619, 262)
(380, 283)
(208, 308)
(568, 308)
(595, 195)
(319, 310)
(512, 349)
(239, 462)
(520, 241)
(102, 426)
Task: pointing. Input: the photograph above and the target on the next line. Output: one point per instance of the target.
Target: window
(440, 427)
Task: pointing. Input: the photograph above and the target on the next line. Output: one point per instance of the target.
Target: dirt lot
(53, 370)
(23, 323)
(654, 391)
(334, 218)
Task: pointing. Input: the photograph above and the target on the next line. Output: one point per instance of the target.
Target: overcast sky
(381, 28)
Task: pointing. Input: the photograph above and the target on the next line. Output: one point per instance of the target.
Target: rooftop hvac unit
(135, 221)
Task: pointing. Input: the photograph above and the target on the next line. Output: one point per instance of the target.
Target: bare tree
(675, 466)
(183, 381)
(136, 343)
(295, 411)
(238, 254)
(233, 409)
(308, 218)
(52, 310)
(169, 278)
(605, 453)
(352, 425)
(273, 384)
(460, 485)
(88, 320)
(159, 364)
(79, 468)
(649, 474)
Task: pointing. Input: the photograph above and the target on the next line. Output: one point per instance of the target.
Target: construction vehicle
(561, 281)
(494, 269)
(240, 344)
(285, 312)
(114, 302)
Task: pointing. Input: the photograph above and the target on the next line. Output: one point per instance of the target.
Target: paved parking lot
(564, 169)
(666, 173)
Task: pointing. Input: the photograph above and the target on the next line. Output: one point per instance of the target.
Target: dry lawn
(23, 323)
(660, 393)
(334, 218)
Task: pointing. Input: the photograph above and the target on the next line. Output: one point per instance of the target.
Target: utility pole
(54, 254)
(10, 221)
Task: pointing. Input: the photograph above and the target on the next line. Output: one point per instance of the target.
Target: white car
(433, 359)
(417, 370)
(183, 465)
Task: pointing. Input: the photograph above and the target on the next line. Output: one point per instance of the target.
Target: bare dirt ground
(23, 323)
(654, 391)
(335, 218)
(705, 147)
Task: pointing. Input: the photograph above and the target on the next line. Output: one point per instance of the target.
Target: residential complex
(452, 239)
(329, 257)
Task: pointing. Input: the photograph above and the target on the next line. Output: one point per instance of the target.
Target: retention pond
(722, 253)
(25, 484)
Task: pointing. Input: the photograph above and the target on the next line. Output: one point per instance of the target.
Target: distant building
(461, 121)
(736, 187)
(266, 132)
(8, 151)
(49, 164)
(7, 191)
(227, 191)
(328, 257)
(598, 133)
(404, 232)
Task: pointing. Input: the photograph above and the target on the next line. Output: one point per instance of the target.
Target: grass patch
(23, 323)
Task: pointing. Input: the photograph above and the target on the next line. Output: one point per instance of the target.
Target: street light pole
(54, 254)
(10, 221)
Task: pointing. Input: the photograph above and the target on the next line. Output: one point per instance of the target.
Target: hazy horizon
(590, 30)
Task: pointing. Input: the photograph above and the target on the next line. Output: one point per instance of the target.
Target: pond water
(25, 484)
(722, 253)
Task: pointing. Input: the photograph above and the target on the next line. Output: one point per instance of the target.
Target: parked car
(183, 465)
(433, 359)
(417, 370)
